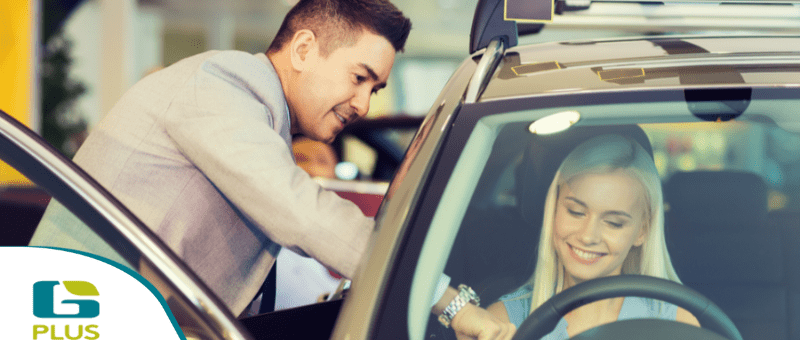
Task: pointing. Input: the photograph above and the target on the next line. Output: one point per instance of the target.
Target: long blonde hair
(600, 155)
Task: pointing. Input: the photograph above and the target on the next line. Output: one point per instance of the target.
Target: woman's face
(599, 217)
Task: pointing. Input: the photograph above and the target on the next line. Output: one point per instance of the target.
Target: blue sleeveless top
(518, 307)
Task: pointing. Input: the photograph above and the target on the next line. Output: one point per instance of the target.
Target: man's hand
(473, 322)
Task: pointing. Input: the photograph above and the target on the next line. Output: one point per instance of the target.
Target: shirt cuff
(441, 287)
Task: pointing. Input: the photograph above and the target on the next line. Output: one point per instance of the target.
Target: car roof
(646, 63)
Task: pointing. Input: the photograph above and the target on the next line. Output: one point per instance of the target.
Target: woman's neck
(592, 315)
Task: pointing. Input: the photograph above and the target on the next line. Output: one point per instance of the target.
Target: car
(717, 112)
(382, 139)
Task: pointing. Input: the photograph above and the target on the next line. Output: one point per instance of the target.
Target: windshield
(721, 204)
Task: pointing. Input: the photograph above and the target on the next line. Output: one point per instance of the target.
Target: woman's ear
(642, 236)
(304, 49)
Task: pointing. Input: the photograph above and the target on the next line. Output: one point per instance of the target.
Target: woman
(603, 216)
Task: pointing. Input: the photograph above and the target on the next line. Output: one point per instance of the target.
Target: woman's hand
(473, 322)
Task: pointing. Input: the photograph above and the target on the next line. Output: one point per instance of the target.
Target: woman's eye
(615, 224)
(360, 79)
(575, 213)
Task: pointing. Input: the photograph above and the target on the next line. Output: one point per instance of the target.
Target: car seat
(787, 221)
(722, 246)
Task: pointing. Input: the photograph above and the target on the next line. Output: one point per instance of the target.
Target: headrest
(544, 155)
(716, 200)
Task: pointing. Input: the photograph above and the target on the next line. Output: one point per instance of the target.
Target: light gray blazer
(200, 152)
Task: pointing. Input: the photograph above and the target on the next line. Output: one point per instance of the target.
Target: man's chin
(332, 135)
(327, 139)
(325, 136)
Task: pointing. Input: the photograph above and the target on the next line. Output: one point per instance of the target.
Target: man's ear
(304, 49)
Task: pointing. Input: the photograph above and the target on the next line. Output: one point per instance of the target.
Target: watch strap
(465, 295)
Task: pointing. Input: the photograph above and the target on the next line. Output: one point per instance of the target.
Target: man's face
(334, 91)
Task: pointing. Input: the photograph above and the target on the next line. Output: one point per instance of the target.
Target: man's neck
(283, 67)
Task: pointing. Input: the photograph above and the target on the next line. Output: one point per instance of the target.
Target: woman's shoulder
(522, 292)
(518, 304)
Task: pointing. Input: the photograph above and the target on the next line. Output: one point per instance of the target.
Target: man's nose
(360, 102)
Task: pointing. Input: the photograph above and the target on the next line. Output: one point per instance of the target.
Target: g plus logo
(44, 308)
(43, 301)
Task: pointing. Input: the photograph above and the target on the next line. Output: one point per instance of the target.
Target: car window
(40, 182)
(731, 203)
(377, 145)
(22, 205)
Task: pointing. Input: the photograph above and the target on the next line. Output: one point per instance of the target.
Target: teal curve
(130, 272)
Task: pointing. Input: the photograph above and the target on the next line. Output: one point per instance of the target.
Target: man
(200, 151)
(301, 280)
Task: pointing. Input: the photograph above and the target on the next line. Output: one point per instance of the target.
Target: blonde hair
(601, 155)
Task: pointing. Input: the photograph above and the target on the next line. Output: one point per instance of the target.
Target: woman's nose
(590, 233)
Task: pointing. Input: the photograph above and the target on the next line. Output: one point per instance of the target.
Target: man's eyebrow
(372, 74)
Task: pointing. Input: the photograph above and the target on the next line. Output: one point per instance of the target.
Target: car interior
(721, 218)
(731, 226)
(731, 213)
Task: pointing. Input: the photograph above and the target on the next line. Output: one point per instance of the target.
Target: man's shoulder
(229, 55)
(230, 61)
(237, 60)
(251, 70)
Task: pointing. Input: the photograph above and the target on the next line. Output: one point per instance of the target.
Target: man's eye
(615, 224)
(360, 79)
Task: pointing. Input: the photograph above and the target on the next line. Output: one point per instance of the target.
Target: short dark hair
(338, 23)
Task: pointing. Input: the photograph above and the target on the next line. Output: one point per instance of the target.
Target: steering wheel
(716, 325)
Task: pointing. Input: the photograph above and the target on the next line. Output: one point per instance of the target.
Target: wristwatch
(465, 295)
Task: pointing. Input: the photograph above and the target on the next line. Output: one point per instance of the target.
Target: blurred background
(64, 63)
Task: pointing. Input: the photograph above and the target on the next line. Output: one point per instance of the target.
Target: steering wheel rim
(544, 319)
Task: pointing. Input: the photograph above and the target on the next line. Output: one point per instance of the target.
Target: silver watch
(465, 295)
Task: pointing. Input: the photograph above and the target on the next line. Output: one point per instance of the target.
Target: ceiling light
(555, 122)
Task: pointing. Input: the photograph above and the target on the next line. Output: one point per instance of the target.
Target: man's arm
(223, 122)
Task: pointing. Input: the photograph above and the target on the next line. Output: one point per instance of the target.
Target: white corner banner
(58, 294)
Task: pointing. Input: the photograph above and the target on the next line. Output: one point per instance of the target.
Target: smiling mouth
(584, 256)
(341, 118)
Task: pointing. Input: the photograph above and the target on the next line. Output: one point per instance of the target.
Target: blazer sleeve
(222, 121)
